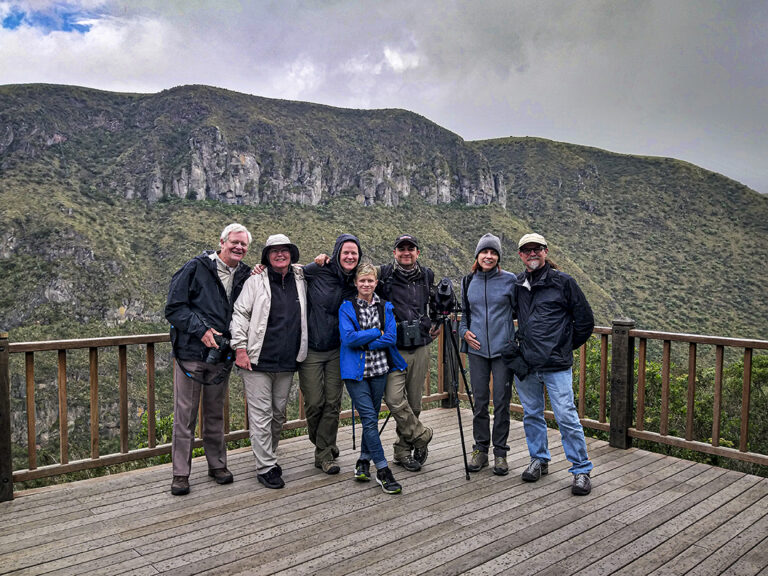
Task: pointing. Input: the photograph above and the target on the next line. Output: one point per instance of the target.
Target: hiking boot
(500, 467)
(420, 453)
(180, 485)
(328, 466)
(479, 460)
(363, 471)
(408, 462)
(387, 481)
(536, 469)
(271, 478)
(581, 485)
(221, 475)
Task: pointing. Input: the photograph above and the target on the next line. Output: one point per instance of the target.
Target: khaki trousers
(403, 397)
(186, 398)
(267, 394)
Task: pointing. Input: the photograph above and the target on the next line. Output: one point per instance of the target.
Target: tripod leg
(454, 336)
(448, 358)
(385, 423)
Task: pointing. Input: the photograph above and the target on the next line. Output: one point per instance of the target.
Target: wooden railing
(95, 347)
(616, 384)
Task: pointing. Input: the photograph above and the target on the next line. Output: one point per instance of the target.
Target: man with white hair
(554, 319)
(199, 308)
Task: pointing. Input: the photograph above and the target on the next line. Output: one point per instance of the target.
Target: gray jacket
(491, 298)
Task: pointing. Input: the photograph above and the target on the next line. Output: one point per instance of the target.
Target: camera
(221, 354)
(445, 298)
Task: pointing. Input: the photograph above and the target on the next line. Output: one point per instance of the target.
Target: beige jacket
(251, 313)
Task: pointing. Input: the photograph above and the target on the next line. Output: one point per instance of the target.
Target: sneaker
(271, 478)
(387, 481)
(180, 485)
(328, 466)
(479, 460)
(581, 485)
(536, 469)
(420, 453)
(363, 471)
(221, 475)
(409, 463)
(500, 467)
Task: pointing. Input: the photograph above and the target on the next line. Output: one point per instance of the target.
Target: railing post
(6, 461)
(622, 382)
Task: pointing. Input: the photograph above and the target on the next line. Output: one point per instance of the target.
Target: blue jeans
(560, 390)
(366, 397)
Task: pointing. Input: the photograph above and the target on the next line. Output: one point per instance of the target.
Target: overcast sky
(681, 78)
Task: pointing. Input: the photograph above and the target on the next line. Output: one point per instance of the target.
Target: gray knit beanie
(489, 241)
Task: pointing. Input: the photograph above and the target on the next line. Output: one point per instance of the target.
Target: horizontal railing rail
(621, 393)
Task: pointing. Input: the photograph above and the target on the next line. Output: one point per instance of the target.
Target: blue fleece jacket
(354, 339)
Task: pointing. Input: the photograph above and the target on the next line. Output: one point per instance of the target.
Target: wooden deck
(647, 514)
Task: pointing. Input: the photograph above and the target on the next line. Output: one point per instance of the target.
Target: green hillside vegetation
(94, 267)
(677, 246)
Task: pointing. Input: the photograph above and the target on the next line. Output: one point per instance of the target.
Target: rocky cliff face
(214, 169)
(203, 143)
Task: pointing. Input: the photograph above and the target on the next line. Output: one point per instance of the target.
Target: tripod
(451, 367)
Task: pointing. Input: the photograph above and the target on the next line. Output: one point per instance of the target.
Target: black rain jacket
(413, 300)
(197, 301)
(554, 319)
(327, 287)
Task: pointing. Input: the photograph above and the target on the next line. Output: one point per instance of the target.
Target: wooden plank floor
(647, 514)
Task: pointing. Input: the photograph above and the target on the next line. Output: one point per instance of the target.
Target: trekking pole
(353, 426)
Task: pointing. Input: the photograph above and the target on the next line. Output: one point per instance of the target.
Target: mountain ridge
(105, 193)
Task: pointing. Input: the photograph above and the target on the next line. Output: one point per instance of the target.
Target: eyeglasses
(279, 250)
(532, 249)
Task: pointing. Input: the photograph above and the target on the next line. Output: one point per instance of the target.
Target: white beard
(534, 265)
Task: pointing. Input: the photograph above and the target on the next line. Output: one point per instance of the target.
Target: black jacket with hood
(413, 300)
(327, 287)
(554, 319)
(197, 301)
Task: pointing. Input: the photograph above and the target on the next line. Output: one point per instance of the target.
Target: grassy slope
(680, 248)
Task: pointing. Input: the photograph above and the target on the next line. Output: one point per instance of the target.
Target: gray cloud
(685, 79)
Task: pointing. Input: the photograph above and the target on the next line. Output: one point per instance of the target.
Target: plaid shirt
(375, 360)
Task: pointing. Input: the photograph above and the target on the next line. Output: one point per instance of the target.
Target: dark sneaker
(363, 471)
(536, 469)
(500, 467)
(180, 485)
(479, 460)
(420, 453)
(408, 462)
(387, 481)
(221, 475)
(328, 466)
(581, 485)
(271, 478)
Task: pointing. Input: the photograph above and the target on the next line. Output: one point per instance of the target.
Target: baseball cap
(532, 238)
(403, 238)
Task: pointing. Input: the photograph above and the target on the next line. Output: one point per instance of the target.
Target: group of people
(341, 321)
